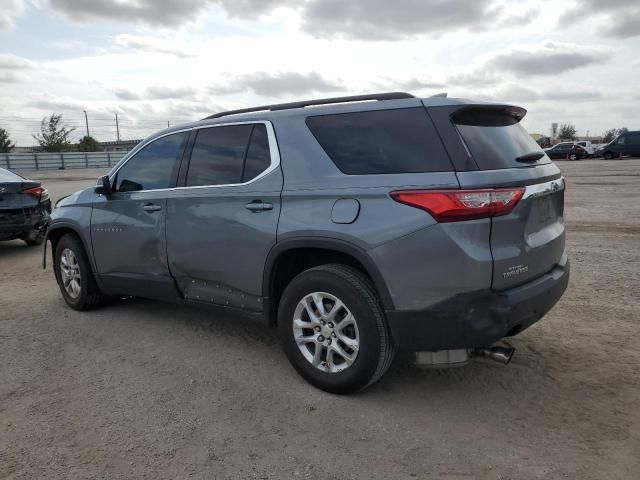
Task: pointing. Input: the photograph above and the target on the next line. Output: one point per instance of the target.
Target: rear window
(381, 141)
(496, 139)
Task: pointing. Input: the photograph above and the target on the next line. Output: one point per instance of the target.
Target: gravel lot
(150, 390)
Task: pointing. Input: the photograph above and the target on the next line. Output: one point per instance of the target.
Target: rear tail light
(457, 205)
(40, 193)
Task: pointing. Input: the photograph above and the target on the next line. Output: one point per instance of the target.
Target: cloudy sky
(159, 61)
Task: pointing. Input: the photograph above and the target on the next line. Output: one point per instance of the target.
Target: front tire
(608, 155)
(74, 276)
(333, 329)
(573, 157)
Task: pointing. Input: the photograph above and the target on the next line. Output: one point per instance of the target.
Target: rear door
(528, 241)
(222, 220)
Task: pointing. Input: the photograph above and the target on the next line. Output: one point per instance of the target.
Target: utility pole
(168, 124)
(86, 122)
(117, 128)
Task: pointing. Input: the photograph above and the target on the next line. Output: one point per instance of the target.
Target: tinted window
(633, 139)
(218, 155)
(153, 166)
(382, 141)
(258, 157)
(496, 139)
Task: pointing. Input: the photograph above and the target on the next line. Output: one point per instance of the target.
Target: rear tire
(74, 275)
(573, 157)
(365, 343)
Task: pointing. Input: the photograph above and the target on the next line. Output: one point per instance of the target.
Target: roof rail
(309, 103)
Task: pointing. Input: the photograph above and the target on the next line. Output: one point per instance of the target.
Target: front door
(222, 221)
(128, 225)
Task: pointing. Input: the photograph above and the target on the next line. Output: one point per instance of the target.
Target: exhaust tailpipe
(497, 354)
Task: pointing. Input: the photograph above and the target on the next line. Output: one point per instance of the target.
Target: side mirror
(103, 186)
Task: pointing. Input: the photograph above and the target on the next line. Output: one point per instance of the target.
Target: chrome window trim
(274, 153)
(545, 188)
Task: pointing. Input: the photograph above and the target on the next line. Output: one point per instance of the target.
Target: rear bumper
(478, 319)
(15, 223)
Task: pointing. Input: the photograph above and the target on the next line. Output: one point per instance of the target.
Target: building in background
(118, 146)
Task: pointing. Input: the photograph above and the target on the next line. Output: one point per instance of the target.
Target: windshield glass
(496, 139)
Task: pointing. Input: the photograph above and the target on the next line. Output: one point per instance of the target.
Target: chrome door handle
(258, 206)
(152, 207)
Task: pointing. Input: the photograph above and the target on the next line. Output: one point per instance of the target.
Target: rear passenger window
(258, 157)
(218, 155)
(228, 155)
(381, 141)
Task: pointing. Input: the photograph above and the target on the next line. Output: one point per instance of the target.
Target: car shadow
(476, 378)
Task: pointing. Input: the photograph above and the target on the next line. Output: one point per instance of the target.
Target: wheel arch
(56, 231)
(315, 251)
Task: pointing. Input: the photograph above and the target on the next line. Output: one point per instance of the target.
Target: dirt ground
(149, 390)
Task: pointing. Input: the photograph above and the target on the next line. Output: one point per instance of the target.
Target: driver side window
(153, 166)
(622, 140)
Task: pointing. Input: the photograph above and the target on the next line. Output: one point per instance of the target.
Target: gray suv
(356, 226)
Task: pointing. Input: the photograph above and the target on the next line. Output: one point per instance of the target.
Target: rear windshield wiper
(530, 157)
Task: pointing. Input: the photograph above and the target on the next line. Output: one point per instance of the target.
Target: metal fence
(59, 161)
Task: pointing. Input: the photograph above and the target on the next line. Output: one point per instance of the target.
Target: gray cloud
(621, 18)
(162, 12)
(50, 102)
(394, 20)
(154, 12)
(126, 94)
(518, 93)
(12, 77)
(155, 92)
(151, 45)
(550, 60)
(363, 19)
(278, 84)
(13, 62)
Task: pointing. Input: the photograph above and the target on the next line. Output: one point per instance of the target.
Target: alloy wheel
(326, 332)
(70, 273)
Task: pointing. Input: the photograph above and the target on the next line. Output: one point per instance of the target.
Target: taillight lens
(457, 205)
(40, 193)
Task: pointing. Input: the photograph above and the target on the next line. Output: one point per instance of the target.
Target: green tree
(613, 133)
(88, 144)
(5, 142)
(567, 131)
(54, 134)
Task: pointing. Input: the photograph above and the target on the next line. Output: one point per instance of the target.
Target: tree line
(567, 131)
(54, 136)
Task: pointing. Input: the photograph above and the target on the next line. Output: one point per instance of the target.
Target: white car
(588, 146)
